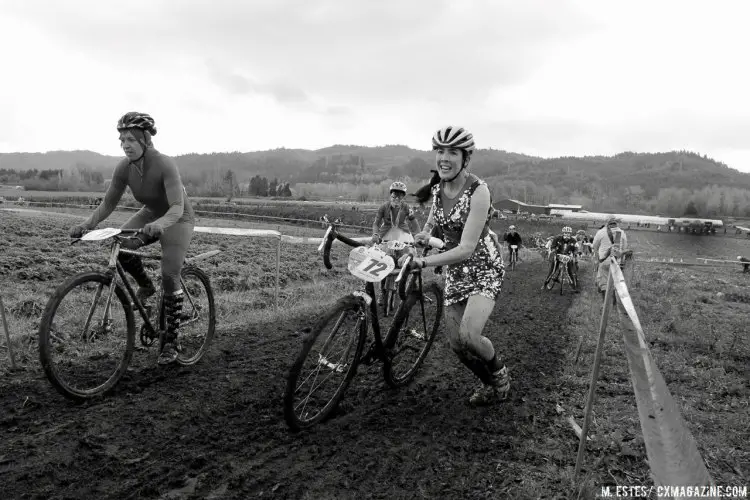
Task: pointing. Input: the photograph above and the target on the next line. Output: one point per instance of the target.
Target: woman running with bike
(461, 207)
(166, 216)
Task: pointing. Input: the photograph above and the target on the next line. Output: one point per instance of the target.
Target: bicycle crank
(148, 335)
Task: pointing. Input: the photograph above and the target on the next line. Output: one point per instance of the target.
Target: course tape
(673, 455)
(269, 233)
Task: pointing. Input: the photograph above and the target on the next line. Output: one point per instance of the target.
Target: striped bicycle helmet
(567, 230)
(134, 119)
(453, 137)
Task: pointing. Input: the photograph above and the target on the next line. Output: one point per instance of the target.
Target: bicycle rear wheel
(86, 336)
(326, 364)
(550, 283)
(198, 321)
(412, 334)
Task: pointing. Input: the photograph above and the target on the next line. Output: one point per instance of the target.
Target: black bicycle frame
(370, 290)
(131, 293)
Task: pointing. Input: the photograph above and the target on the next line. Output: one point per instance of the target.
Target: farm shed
(518, 206)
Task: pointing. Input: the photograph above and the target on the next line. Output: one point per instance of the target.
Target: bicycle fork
(106, 322)
(340, 367)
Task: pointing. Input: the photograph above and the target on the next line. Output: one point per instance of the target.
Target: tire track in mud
(216, 430)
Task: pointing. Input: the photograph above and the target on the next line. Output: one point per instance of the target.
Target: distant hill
(593, 178)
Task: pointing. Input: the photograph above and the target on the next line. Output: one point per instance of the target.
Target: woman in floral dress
(461, 207)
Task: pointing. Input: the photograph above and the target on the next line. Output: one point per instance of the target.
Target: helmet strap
(455, 176)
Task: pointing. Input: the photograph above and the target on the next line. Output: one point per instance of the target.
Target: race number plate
(100, 234)
(514, 247)
(370, 264)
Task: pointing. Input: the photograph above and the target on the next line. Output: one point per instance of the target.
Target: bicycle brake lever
(404, 267)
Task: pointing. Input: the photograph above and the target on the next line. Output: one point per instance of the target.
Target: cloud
(236, 83)
(538, 77)
(357, 49)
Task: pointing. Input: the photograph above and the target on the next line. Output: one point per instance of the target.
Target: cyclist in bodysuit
(166, 216)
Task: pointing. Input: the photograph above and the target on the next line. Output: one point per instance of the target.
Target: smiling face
(449, 162)
(396, 197)
(130, 145)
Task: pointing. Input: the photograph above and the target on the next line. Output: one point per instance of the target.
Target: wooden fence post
(7, 335)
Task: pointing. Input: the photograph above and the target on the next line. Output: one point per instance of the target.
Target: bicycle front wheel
(198, 321)
(326, 364)
(412, 334)
(86, 336)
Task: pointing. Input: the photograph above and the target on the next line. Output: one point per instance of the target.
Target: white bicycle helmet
(453, 137)
(567, 230)
(398, 186)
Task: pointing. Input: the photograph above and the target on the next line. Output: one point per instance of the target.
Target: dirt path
(216, 430)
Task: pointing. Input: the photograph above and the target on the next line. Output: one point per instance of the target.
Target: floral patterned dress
(482, 273)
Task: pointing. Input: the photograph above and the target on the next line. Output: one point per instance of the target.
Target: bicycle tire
(562, 280)
(47, 324)
(549, 283)
(183, 358)
(513, 259)
(346, 305)
(398, 378)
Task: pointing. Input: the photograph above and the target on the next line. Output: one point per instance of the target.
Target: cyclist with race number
(167, 216)
(461, 207)
(564, 244)
(513, 238)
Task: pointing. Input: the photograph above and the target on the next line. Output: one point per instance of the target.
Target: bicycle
(513, 256)
(333, 349)
(561, 273)
(81, 349)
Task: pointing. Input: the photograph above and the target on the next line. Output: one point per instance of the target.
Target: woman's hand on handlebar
(422, 238)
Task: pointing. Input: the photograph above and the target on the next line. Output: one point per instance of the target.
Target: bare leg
(465, 322)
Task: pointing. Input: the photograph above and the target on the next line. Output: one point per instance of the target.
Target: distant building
(568, 208)
(516, 206)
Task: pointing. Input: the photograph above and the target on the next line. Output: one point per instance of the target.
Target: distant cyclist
(513, 238)
(396, 220)
(167, 216)
(564, 244)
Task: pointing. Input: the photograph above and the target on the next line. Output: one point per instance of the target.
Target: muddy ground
(216, 430)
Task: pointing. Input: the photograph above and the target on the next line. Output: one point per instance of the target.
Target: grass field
(36, 256)
(694, 319)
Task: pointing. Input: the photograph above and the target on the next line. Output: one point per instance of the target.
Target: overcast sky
(541, 77)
